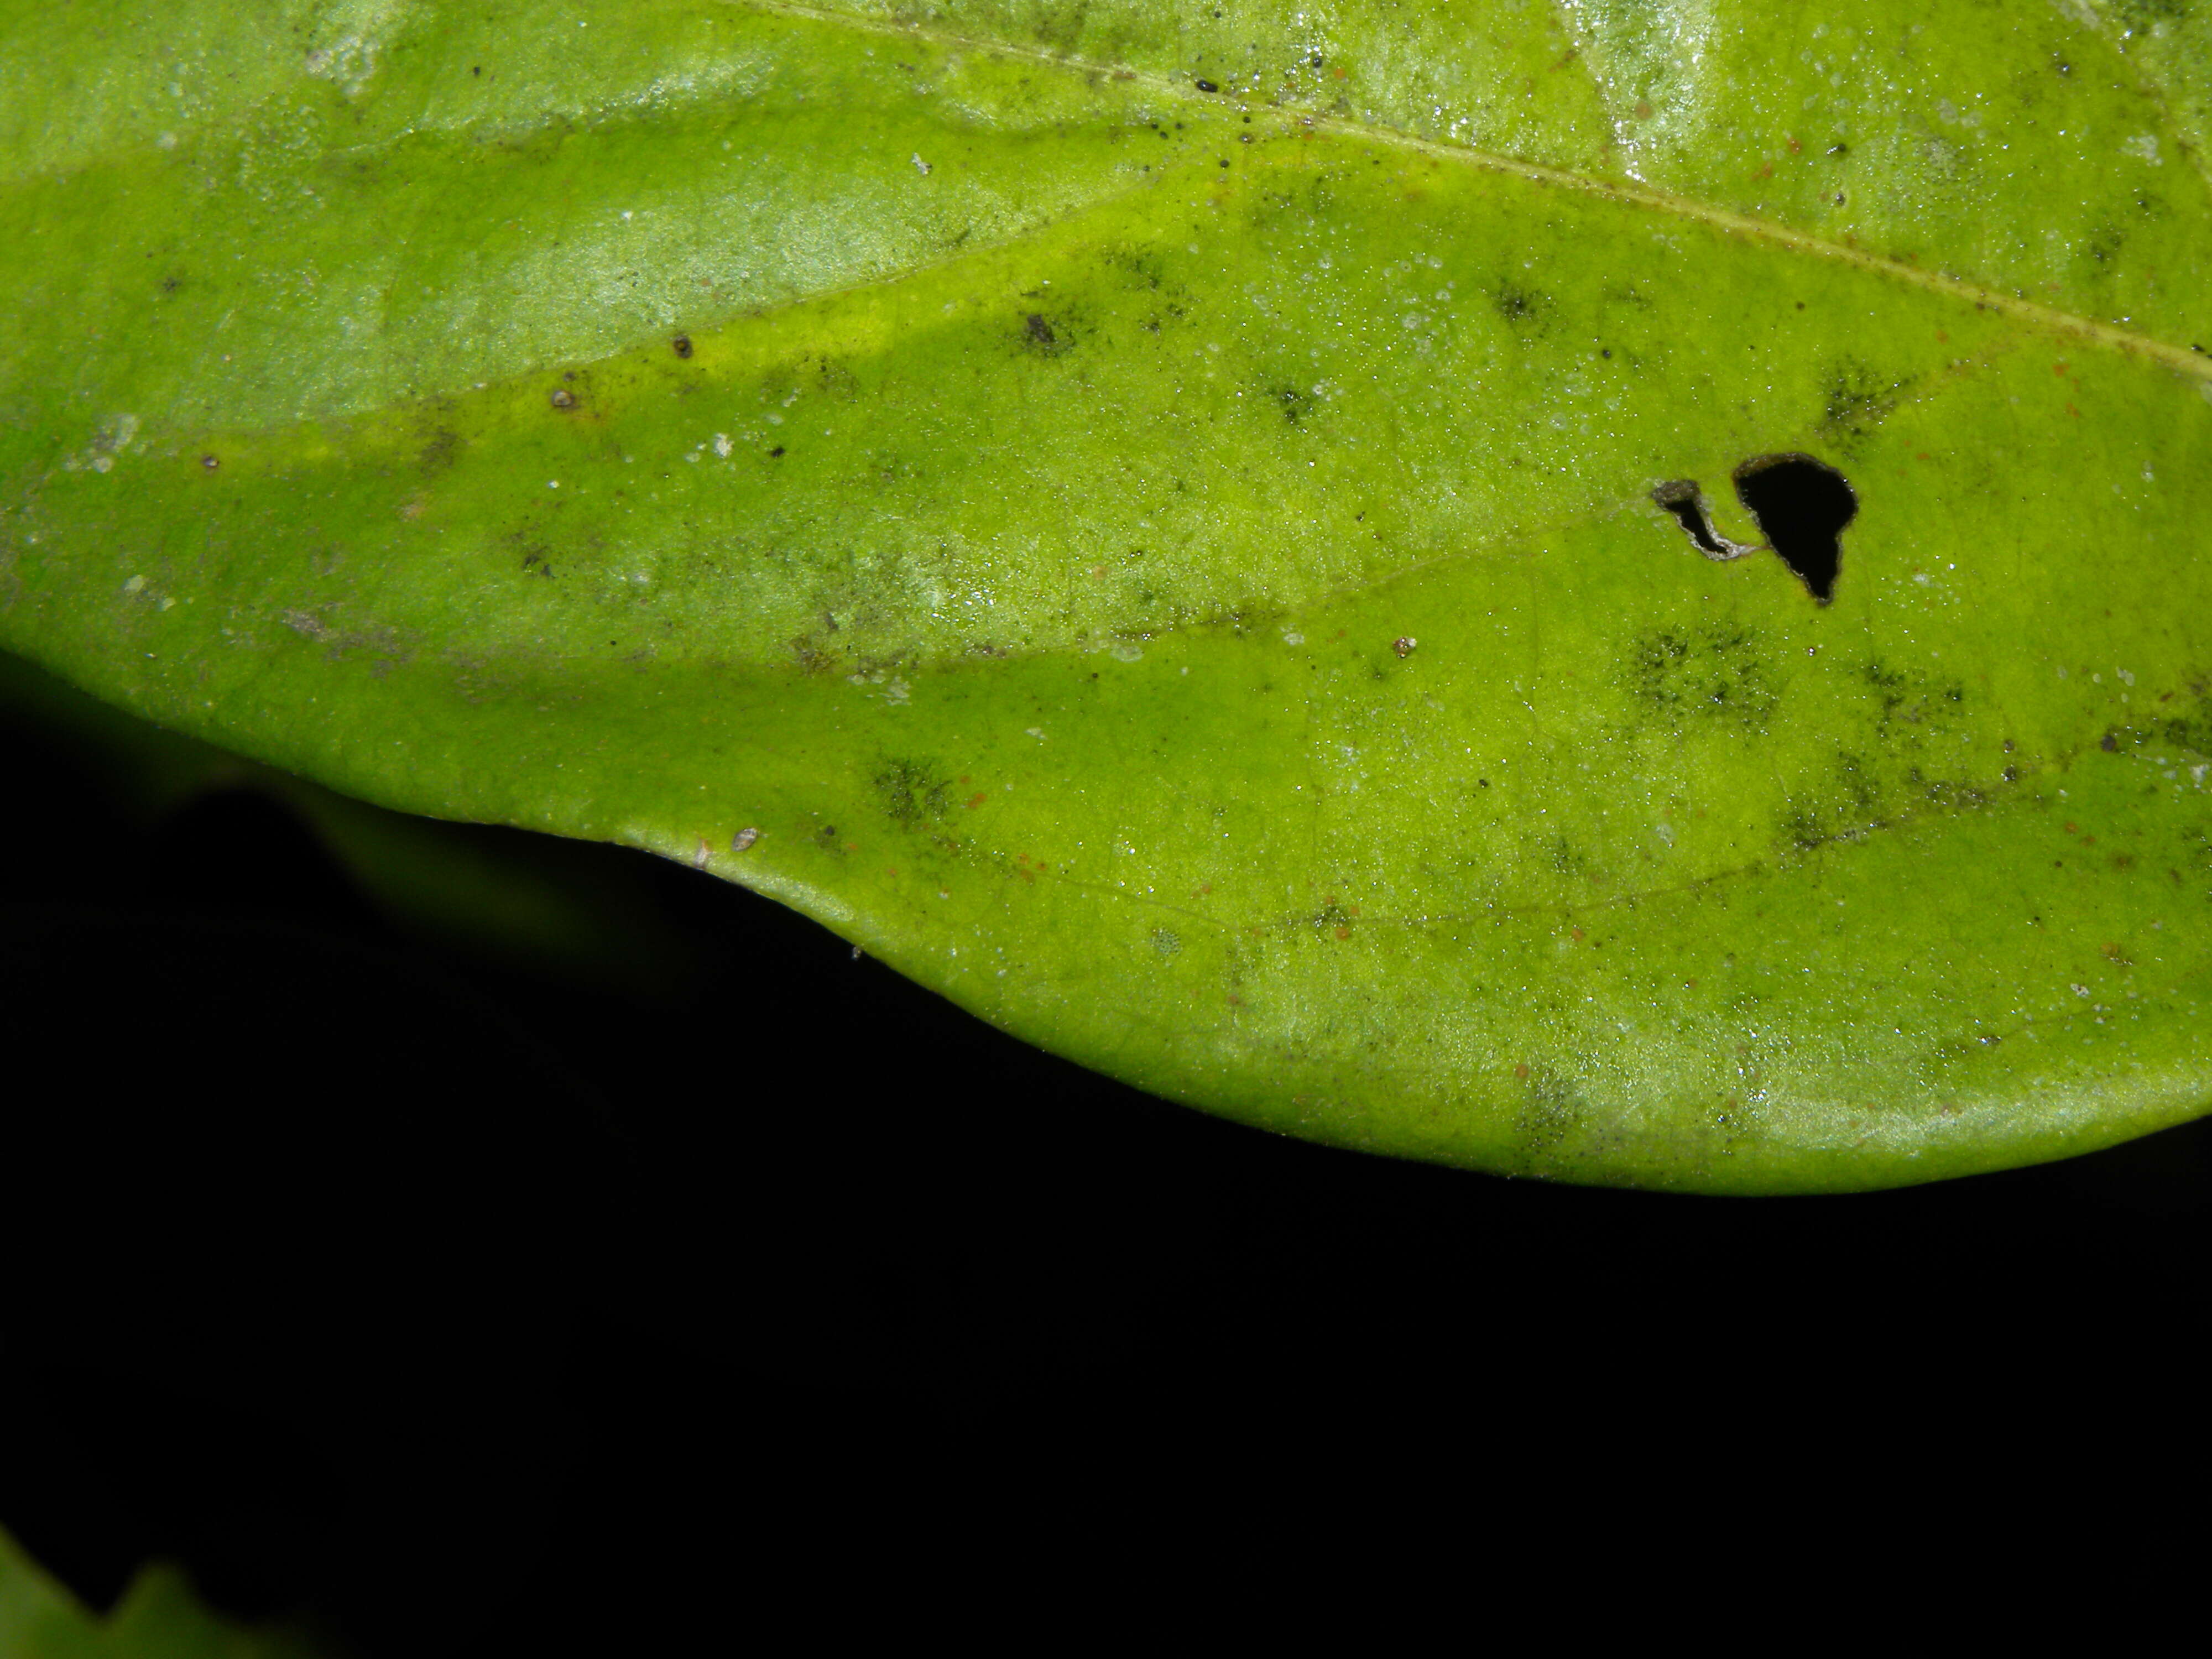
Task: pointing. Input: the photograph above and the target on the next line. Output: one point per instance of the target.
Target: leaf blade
(1037, 607)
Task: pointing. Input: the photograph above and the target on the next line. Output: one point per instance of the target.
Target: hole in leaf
(1682, 498)
(1802, 507)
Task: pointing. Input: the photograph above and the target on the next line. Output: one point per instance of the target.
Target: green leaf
(1145, 520)
(158, 1618)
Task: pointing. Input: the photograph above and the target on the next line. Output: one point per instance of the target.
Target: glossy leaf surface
(1145, 520)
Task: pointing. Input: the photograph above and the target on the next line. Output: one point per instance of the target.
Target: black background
(450, 1307)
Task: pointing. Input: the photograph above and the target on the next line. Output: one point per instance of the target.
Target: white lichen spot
(1125, 651)
(136, 584)
(2143, 145)
(922, 166)
(1037, 731)
(744, 839)
(2080, 990)
(1291, 636)
(897, 692)
(722, 444)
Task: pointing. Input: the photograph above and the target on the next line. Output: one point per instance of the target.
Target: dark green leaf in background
(158, 1618)
(1144, 518)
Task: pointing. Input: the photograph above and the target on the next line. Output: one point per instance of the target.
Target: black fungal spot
(776, 454)
(1038, 335)
(1711, 673)
(1206, 86)
(909, 793)
(1293, 402)
(1857, 398)
(1550, 1112)
(443, 448)
(1519, 305)
(1803, 507)
(681, 345)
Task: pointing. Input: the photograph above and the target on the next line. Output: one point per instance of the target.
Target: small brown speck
(681, 345)
(1404, 644)
(210, 462)
(744, 839)
(2110, 744)
(1521, 1070)
(562, 398)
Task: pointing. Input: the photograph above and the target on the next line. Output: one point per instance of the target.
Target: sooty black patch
(908, 791)
(1521, 306)
(1802, 507)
